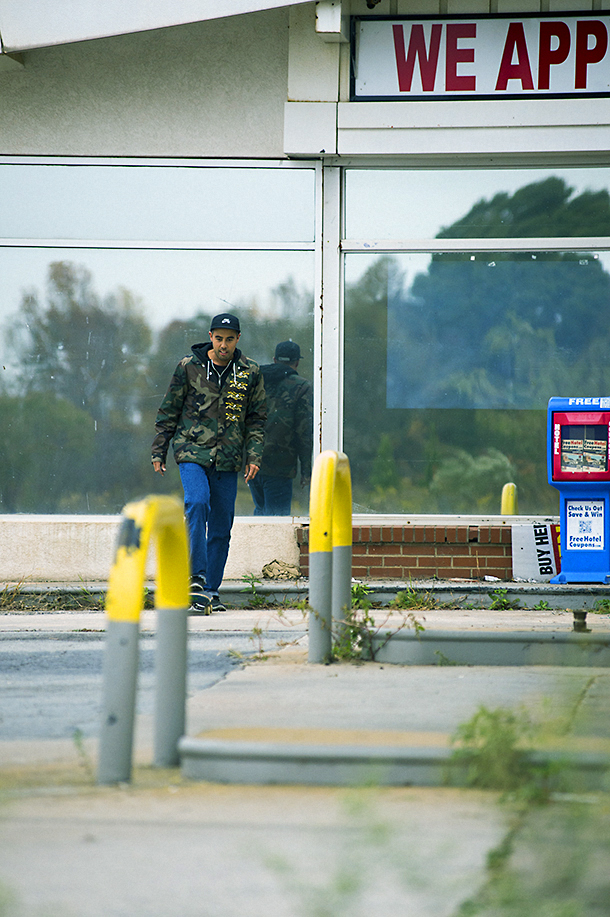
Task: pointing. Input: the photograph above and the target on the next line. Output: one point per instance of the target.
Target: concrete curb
(312, 765)
(263, 763)
(460, 593)
(507, 648)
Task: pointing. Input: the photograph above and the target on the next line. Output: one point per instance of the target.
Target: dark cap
(287, 352)
(225, 320)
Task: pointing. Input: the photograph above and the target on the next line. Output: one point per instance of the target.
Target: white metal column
(329, 324)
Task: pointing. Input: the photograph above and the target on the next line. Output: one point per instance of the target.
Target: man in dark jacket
(214, 411)
(288, 433)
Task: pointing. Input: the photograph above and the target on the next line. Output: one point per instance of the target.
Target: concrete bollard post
(170, 684)
(120, 675)
(163, 517)
(320, 601)
(342, 587)
(330, 552)
(342, 545)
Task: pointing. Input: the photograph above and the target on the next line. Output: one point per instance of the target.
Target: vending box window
(579, 467)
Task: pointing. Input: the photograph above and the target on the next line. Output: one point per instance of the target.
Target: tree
(543, 208)
(46, 453)
(429, 365)
(466, 483)
(89, 351)
(80, 351)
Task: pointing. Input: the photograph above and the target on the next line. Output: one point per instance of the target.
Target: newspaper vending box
(578, 466)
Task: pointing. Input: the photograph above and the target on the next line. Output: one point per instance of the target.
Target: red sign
(484, 57)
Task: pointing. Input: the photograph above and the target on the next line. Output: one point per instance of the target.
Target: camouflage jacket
(289, 428)
(212, 424)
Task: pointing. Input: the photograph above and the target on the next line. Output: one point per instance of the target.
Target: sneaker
(217, 605)
(197, 586)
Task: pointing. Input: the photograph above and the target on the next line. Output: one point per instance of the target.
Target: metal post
(342, 587)
(330, 552)
(163, 517)
(119, 701)
(342, 545)
(170, 684)
(320, 601)
(320, 557)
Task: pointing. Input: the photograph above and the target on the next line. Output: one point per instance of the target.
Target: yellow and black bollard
(162, 517)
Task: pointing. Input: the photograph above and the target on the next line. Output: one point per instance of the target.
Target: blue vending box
(578, 466)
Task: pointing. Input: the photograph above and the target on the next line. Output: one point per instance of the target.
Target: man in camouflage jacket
(288, 433)
(214, 411)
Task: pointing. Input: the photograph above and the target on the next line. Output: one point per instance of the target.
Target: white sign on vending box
(585, 525)
(536, 551)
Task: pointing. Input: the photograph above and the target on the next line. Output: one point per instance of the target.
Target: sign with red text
(489, 57)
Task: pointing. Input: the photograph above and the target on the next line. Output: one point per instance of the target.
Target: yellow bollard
(508, 506)
(163, 518)
(330, 550)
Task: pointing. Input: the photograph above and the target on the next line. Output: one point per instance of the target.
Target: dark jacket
(212, 424)
(289, 428)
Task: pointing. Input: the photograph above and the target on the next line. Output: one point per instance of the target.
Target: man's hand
(250, 473)
(159, 467)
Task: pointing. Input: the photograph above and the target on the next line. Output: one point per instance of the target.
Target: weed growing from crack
(360, 596)
(355, 638)
(79, 743)
(256, 637)
(16, 598)
(542, 606)
(492, 747)
(551, 862)
(443, 660)
(411, 599)
(256, 600)
(601, 607)
(501, 602)
(259, 633)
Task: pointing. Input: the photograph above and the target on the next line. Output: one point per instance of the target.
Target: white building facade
(210, 155)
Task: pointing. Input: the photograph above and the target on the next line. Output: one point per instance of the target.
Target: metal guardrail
(330, 551)
(161, 518)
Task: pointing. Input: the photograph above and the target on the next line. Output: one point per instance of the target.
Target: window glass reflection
(150, 203)
(477, 203)
(91, 339)
(463, 352)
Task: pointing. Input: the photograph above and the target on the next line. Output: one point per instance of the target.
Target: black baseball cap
(225, 320)
(287, 352)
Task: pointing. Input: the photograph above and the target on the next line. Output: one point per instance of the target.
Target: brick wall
(424, 551)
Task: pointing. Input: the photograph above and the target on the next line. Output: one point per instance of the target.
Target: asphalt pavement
(165, 845)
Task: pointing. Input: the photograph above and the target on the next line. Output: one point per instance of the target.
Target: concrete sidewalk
(281, 697)
(167, 846)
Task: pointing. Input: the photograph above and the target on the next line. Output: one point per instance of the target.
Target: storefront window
(451, 355)
(156, 203)
(476, 204)
(109, 275)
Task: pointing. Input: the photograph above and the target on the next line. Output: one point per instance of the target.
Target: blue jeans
(272, 495)
(209, 504)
